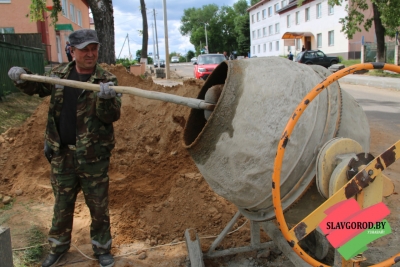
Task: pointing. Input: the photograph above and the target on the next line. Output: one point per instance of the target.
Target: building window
(307, 14)
(79, 17)
(265, 48)
(270, 11)
(258, 49)
(254, 49)
(7, 30)
(72, 12)
(319, 40)
(270, 46)
(5, 2)
(64, 8)
(319, 11)
(254, 35)
(252, 18)
(264, 13)
(277, 28)
(331, 38)
(276, 7)
(277, 46)
(297, 17)
(298, 43)
(270, 30)
(330, 10)
(288, 21)
(283, 3)
(258, 16)
(259, 33)
(265, 31)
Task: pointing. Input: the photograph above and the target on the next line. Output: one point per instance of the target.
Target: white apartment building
(280, 26)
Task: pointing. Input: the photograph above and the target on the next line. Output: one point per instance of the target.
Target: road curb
(377, 82)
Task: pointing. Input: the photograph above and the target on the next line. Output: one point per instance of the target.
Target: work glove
(106, 92)
(15, 72)
(48, 152)
(57, 86)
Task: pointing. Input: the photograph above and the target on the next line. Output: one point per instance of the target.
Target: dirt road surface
(156, 191)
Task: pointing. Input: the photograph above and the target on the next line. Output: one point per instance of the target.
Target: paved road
(380, 105)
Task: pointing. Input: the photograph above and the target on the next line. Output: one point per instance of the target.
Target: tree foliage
(389, 14)
(103, 17)
(226, 27)
(38, 7)
(190, 54)
(242, 27)
(253, 2)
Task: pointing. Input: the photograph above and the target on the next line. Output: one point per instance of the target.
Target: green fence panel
(16, 55)
(371, 48)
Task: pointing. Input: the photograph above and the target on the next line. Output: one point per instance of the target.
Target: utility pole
(166, 40)
(154, 45)
(205, 29)
(155, 26)
(123, 46)
(129, 48)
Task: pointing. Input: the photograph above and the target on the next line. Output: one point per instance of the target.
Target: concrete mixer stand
(196, 255)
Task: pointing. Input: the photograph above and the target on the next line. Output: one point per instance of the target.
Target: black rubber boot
(52, 259)
(106, 260)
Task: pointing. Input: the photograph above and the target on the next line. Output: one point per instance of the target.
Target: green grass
(35, 249)
(15, 109)
(379, 73)
(382, 73)
(350, 62)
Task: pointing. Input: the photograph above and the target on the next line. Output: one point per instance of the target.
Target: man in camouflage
(78, 141)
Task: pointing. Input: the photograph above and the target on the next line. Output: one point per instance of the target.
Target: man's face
(86, 57)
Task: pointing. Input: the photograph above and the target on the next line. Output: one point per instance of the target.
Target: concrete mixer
(235, 149)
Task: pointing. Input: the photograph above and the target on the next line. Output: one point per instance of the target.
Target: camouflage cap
(81, 38)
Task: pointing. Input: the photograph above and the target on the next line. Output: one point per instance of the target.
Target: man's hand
(57, 86)
(15, 72)
(105, 91)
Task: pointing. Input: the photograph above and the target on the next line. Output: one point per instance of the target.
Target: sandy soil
(156, 191)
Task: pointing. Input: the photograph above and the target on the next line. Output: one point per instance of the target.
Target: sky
(128, 22)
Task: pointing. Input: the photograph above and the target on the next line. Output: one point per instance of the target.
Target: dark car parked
(316, 57)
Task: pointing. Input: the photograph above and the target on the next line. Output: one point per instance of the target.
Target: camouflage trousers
(68, 177)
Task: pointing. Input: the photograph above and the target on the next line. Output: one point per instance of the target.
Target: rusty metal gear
(355, 163)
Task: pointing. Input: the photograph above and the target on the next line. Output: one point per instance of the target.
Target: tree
(103, 17)
(384, 16)
(222, 28)
(145, 32)
(193, 21)
(253, 2)
(389, 12)
(242, 27)
(190, 54)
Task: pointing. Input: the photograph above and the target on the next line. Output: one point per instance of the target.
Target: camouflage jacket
(94, 132)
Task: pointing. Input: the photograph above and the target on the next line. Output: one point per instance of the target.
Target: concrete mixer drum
(234, 148)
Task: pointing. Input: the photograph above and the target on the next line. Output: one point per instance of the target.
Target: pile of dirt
(156, 191)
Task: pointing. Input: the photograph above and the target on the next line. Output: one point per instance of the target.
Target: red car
(206, 64)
